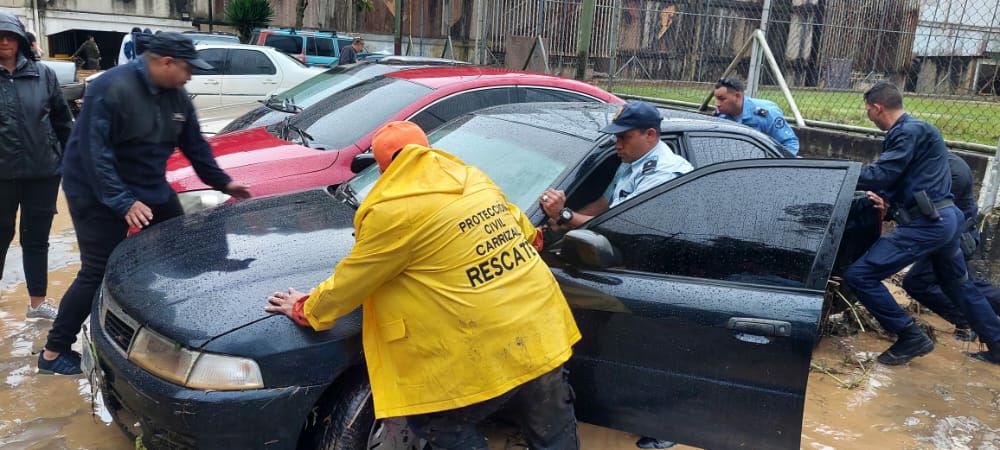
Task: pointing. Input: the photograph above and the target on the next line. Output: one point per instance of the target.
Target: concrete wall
(818, 143)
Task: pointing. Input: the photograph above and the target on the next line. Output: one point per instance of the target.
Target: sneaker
(991, 355)
(66, 364)
(965, 335)
(648, 442)
(45, 310)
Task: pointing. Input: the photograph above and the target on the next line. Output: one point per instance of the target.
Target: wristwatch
(565, 216)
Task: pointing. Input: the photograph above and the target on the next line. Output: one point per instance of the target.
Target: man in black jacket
(922, 283)
(114, 173)
(35, 124)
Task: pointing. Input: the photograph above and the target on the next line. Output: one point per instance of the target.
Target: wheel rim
(393, 434)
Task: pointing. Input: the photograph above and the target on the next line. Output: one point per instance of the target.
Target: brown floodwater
(942, 401)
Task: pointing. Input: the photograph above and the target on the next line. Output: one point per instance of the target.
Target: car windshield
(307, 93)
(346, 116)
(521, 159)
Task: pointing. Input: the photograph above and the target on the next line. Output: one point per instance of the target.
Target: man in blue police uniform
(912, 173)
(646, 163)
(921, 282)
(114, 171)
(762, 115)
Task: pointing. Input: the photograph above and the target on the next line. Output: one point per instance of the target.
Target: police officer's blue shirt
(128, 128)
(656, 167)
(765, 116)
(913, 159)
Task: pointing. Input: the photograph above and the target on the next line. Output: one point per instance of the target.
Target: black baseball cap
(634, 115)
(178, 46)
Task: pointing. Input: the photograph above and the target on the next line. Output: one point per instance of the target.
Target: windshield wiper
(286, 105)
(286, 126)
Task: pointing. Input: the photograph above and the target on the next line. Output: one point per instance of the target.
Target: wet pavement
(941, 401)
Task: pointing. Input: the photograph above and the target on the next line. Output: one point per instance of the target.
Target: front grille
(119, 331)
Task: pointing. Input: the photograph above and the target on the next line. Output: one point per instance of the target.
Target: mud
(941, 401)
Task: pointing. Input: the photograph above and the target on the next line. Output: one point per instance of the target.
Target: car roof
(438, 77)
(216, 44)
(585, 119)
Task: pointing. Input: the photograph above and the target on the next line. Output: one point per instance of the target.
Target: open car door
(700, 300)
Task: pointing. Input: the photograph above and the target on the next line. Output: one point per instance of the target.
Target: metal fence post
(481, 34)
(616, 12)
(540, 18)
(991, 184)
(753, 77)
(589, 9)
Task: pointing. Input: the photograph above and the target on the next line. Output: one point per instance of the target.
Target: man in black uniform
(921, 282)
(912, 173)
(114, 171)
(349, 53)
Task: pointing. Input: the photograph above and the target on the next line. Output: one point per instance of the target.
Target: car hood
(251, 156)
(215, 118)
(200, 276)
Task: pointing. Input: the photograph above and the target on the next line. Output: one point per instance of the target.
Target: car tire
(344, 419)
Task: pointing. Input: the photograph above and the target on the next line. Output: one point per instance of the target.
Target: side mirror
(589, 249)
(362, 161)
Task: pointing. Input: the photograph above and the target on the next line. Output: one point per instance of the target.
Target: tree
(300, 12)
(245, 15)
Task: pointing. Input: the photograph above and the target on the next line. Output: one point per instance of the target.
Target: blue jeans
(924, 239)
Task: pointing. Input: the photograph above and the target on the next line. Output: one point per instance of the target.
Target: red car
(316, 146)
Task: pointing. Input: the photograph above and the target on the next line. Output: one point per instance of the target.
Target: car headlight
(194, 369)
(194, 201)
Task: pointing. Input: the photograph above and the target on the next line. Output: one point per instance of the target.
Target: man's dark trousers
(922, 284)
(98, 231)
(937, 241)
(543, 407)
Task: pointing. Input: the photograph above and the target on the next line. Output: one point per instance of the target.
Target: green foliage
(364, 5)
(245, 15)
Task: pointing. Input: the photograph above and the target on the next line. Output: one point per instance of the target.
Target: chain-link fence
(944, 53)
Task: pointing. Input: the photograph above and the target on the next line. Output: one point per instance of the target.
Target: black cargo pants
(542, 407)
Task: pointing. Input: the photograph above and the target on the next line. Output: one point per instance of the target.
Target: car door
(700, 330)
(205, 86)
(461, 103)
(251, 76)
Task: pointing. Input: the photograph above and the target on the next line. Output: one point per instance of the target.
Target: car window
(463, 103)
(255, 38)
(711, 149)
(307, 93)
(287, 44)
(346, 116)
(760, 225)
(508, 153)
(318, 46)
(534, 94)
(214, 56)
(249, 62)
(294, 60)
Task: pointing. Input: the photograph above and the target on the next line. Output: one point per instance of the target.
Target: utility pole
(211, 19)
(587, 11)
(753, 78)
(398, 26)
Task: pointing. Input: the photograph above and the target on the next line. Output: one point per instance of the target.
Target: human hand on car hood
(238, 190)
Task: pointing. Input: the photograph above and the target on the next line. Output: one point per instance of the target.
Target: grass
(958, 119)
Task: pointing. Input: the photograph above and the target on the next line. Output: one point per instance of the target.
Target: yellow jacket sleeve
(524, 223)
(381, 251)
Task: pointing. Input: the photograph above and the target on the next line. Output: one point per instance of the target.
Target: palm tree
(245, 15)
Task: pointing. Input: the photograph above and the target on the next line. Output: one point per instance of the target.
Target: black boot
(991, 355)
(912, 342)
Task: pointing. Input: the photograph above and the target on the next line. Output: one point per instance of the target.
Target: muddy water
(941, 401)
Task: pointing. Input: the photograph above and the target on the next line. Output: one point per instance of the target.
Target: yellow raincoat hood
(458, 306)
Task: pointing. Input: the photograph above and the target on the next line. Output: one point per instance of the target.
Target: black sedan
(699, 300)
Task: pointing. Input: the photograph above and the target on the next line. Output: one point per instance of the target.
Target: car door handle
(270, 82)
(211, 82)
(760, 327)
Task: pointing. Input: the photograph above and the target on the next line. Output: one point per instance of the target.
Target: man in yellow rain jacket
(461, 315)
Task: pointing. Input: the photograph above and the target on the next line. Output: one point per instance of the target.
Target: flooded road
(941, 401)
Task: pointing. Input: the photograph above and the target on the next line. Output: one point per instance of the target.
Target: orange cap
(392, 137)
